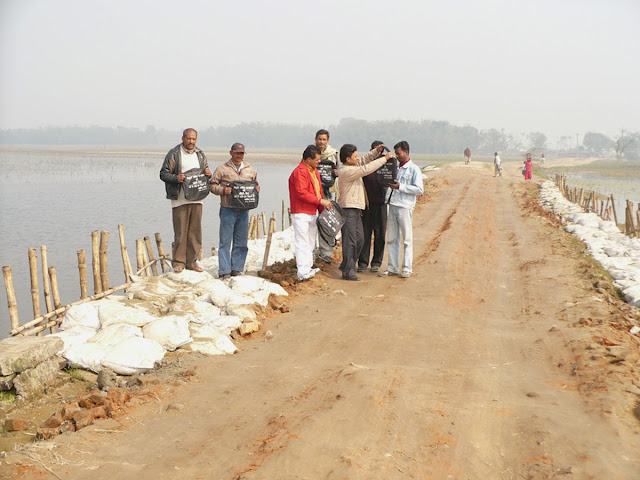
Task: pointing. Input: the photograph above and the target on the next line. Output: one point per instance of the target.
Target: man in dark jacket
(374, 221)
(187, 214)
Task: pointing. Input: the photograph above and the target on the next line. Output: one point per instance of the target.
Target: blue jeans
(234, 227)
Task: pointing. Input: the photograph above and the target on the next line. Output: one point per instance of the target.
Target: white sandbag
(248, 285)
(171, 332)
(222, 345)
(85, 314)
(226, 323)
(244, 312)
(215, 291)
(195, 310)
(111, 313)
(74, 336)
(87, 355)
(134, 355)
(212, 335)
(189, 277)
(156, 285)
(115, 333)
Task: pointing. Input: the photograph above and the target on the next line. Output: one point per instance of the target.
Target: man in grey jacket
(187, 214)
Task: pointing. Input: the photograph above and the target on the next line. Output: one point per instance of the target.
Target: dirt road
(490, 362)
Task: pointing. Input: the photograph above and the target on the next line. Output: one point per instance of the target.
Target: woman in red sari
(527, 169)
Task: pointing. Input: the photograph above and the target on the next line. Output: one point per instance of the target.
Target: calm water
(57, 200)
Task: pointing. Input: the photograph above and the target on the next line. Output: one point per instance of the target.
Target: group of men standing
(371, 208)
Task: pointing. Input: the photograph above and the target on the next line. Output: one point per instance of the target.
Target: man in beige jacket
(353, 200)
(234, 223)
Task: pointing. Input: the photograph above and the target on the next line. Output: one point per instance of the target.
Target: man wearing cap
(187, 214)
(234, 223)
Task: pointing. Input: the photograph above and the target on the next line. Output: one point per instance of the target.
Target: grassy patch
(7, 396)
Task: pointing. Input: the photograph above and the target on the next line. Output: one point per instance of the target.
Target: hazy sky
(557, 66)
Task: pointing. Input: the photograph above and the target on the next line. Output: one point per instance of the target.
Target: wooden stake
(35, 291)
(11, 297)
(45, 278)
(264, 223)
(95, 259)
(284, 206)
(104, 274)
(213, 251)
(82, 270)
(160, 250)
(54, 290)
(257, 227)
(125, 255)
(129, 267)
(289, 212)
(139, 255)
(272, 227)
(613, 207)
(147, 243)
(201, 254)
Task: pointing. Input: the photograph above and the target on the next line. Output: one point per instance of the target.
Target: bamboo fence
(146, 264)
(601, 205)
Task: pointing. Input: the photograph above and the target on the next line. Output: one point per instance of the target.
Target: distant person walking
(327, 154)
(234, 223)
(542, 158)
(305, 198)
(527, 167)
(497, 165)
(187, 214)
(353, 200)
(467, 156)
(374, 221)
(402, 200)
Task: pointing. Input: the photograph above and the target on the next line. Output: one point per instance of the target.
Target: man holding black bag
(234, 215)
(328, 170)
(184, 171)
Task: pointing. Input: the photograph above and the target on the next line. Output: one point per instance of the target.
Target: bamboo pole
(161, 253)
(272, 227)
(11, 297)
(200, 254)
(45, 282)
(45, 278)
(147, 265)
(82, 270)
(213, 253)
(638, 221)
(129, 267)
(104, 274)
(264, 223)
(289, 212)
(61, 309)
(147, 243)
(35, 291)
(257, 233)
(123, 252)
(139, 256)
(283, 213)
(95, 261)
(145, 260)
(613, 207)
(56, 296)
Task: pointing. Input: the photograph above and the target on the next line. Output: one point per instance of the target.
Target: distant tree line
(424, 136)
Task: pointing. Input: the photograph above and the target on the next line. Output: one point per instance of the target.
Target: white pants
(400, 224)
(305, 232)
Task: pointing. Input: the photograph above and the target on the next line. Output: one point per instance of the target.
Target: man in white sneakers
(401, 198)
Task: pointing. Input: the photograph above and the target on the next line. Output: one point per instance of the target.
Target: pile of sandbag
(616, 252)
(130, 334)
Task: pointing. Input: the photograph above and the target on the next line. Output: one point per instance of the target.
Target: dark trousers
(352, 239)
(374, 221)
(187, 229)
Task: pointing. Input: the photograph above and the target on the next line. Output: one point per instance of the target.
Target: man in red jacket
(305, 197)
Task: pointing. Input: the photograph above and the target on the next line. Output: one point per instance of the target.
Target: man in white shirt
(402, 200)
(187, 214)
